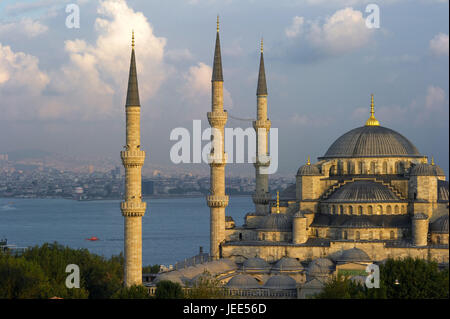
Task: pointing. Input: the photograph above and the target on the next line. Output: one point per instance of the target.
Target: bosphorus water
(172, 229)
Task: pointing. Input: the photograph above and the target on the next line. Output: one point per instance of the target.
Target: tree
(166, 289)
(151, 269)
(133, 292)
(205, 287)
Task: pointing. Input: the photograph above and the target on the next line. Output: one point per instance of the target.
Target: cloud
(439, 44)
(343, 32)
(435, 99)
(94, 82)
(308, 120)
(295, 28)
(21, 81)
(26, 26)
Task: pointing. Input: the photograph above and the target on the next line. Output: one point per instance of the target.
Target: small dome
(173, 276)
(442, 191)
(426, 170)
(242, 281)
(288, 264)
(300, 214)
(353, 255)
(203, 277)
(255, 264)
(420, 216)
(277, 222)
(320, 267)
(308, 170)
(280, 282)
(440, 225)
(362, 191)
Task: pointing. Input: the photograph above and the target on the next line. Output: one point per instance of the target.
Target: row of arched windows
(370, 235)
(369, 210)
(365, 167)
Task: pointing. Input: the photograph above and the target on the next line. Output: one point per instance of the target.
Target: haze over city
(63, 90)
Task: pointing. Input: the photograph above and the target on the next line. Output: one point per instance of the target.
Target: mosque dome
(362, 191)
(173, 276)
(353, 255)
(372, 141)
(308, 170)
(277, 222)
(288, 264)
(426, 170)
(281, 282)
(255, 264)
(440, 225)
(242, 281)
(320, 267)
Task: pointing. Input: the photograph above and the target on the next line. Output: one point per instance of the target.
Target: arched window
(344, 235)
(373, 166)
(403, 209)
(317, 233)
(349, 168)
(361, 168)
(370, 235)
(350, 210)
(379, 209)
(240, 236)
(385, 167)
(389, 209)
(438, 240)
(263, 237)
(396, 209)
(392, 235)
(370, 210)
(358, 235)
(341, 209)
(274, 237)
(334, 209)
(285, 237)
(360, 210)
(330, 209)
(381, 235)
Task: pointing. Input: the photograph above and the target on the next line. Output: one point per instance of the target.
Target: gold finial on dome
(308, 162)
(217, 23)
(432, 160)
(372, 121)
(278, 202)
(262, 44)
(132, 39)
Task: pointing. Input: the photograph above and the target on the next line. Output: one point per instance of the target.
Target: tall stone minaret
(261, 196)
(133, 208)
(217, 200)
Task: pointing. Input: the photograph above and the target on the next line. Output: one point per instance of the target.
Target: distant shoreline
(162, 196)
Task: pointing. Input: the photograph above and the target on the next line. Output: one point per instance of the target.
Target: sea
(172, 229)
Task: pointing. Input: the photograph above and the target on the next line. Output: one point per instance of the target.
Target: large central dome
(372, 141)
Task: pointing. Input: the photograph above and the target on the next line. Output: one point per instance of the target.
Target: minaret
(261, 196)
(217, 200)
(133, 208)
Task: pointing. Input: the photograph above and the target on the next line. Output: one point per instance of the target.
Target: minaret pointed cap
(262, 86)
(278, 202)
(133, 91)
(308, 162)
(217, 74)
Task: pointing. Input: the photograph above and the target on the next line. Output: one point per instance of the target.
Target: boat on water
(93, 238)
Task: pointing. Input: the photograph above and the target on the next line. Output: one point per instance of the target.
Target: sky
(63, 89)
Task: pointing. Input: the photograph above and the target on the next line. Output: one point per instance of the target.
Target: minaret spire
(262, 86)
(372, 121)
(133, 92)
(217, 65)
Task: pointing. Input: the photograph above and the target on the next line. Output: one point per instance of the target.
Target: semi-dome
(242, 281)
(255, 263)
(440, 225)
(320, 267)
(288, 264)
(353, 255)
(426, 170)
(372, 141)
(362, 191)
(277, 222)
(280, 282)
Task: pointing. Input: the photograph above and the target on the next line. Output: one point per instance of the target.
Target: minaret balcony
(261, 160)
(261, 198)
(133, 209)
(217, 119)
(262, 124)
(133, 158)
(217, 160)
(217, 200)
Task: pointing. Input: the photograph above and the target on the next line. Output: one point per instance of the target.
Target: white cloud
(435, 99)
(439, 44)
(340, 33)
(295, 28)
(25, 26)
(308, 120)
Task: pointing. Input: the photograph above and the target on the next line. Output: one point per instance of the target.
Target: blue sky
(63, 89)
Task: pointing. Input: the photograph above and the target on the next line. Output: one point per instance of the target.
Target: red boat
(93, 238)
